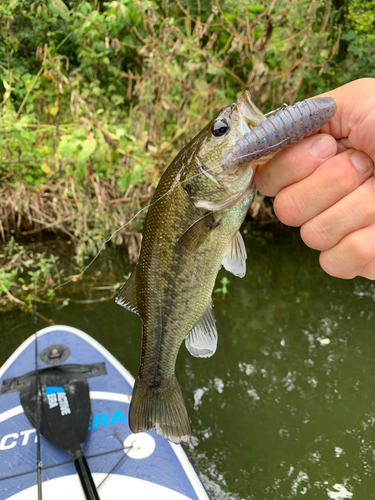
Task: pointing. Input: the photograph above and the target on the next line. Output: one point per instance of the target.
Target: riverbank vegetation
(96, 98)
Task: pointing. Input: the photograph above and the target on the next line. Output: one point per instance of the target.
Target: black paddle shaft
(85, 477)
(64, 415)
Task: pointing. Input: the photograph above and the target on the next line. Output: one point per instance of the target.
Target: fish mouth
(237, 177)
(233, 198)
(249, 113)
(249, 117)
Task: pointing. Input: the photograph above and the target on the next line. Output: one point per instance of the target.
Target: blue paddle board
(124, 465)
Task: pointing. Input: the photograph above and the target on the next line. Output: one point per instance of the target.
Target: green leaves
(76, 149)
(124, 181)
(7, 280)
(108, 92)
(88, 147)
(134, 178)
(59, 8)
(23, 269)
(68, 145)
(8, 91)
(223, 289)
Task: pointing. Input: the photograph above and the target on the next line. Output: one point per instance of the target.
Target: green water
(285, 408)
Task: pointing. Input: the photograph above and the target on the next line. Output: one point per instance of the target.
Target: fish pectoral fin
(127, 295)
(201, 341)
(197, 234)
(234, 259)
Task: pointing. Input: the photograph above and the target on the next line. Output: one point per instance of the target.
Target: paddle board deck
(123, 465)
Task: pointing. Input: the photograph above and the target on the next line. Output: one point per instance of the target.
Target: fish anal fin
(201, 341)
(196, 234)
(127, 295)
(235, 256)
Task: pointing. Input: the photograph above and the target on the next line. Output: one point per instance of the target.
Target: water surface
(285, 408)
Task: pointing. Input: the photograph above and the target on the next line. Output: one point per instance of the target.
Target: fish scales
(191, 230)
(285, 127)
(174, 292)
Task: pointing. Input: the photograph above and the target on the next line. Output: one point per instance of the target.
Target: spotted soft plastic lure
(285, 127)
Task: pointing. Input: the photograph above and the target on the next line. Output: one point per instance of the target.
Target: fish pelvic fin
(162, 407)
(201, 341)
(234, 259)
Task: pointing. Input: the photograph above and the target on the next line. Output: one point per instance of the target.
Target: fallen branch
(47, 226)
(11, 297)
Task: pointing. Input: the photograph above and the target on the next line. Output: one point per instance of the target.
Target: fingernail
(361, 162)
(323, 147)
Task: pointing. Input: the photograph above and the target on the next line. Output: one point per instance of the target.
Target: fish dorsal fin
(234, 259)
(196, 234)
(127, 297)
(201, 341)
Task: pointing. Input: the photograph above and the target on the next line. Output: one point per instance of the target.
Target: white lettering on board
(7, 446)
(26, 435)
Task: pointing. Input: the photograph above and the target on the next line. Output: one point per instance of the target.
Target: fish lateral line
(176, 290)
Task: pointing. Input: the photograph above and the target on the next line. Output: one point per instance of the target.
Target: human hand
(325, 184)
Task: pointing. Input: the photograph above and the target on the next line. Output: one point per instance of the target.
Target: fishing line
(128, 448)
(59, 464)
(38, 397)
(274, 111)
(175, 184)
(173, 187)
(126, 452)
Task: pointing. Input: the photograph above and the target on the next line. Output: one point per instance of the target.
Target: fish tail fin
(162, 407)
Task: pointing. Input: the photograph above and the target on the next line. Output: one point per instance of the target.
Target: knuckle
(263, 182)
(345, 176)
(316, 234)
(329, 261)
(341, 177)
(350, 257)
(368, 271)
(359, 248)
(362, 204)
(364, 209)
(367, 199)
(289, 208)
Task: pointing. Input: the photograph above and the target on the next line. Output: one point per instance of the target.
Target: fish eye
(220, 127)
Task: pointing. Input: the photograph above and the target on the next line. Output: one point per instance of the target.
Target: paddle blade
(65, 407)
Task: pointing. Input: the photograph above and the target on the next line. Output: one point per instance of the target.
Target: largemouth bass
(191, 230)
